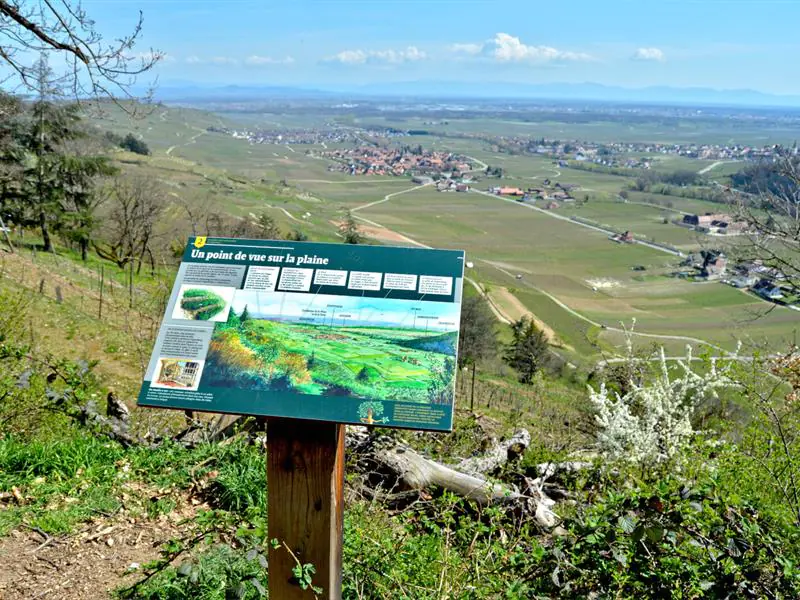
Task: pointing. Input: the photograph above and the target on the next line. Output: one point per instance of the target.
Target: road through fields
(558, 302)
(554, 215)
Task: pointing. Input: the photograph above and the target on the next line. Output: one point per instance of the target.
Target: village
(618, 154)
(427, 165)
(329, 135)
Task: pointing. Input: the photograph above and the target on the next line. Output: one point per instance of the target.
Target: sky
(353, 308)
(722, 44)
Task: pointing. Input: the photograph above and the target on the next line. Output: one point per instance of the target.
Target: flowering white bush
(651, 422)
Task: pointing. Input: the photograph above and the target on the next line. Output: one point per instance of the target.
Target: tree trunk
(48, 244)
(408, 470)
(84, 244)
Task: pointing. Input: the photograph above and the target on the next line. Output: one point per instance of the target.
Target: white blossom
(652, 422)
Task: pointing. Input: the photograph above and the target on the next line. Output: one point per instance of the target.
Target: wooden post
(102, 282)
(472, 393)
(305, 481)
(130, 284)
(5, 231)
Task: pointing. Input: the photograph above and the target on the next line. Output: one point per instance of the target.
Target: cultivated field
(570, 277)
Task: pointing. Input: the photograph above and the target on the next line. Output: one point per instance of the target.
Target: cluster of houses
(759, 279)
(618, 154)
(397, 162)
(301, 136)
(714, 223)
(550, 194)
(713, 265)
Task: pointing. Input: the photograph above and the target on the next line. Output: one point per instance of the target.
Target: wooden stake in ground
(305, 481)
(4, 229)
(102, 281)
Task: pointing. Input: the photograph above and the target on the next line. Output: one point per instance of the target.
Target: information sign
(329, 332)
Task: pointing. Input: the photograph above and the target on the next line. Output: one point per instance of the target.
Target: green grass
(76, 477)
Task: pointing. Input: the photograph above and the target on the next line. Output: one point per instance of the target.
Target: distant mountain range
(190, 92)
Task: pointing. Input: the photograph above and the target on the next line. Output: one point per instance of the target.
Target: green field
(377, 363)
(560, 261)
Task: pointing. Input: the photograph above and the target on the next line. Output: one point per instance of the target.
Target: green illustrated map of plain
(379, 363)
(201, 305)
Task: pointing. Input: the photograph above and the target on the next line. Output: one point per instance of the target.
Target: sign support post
(312, 336)
(305, 479)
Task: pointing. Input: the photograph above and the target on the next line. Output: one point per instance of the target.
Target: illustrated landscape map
(353, 345)
(379, 349)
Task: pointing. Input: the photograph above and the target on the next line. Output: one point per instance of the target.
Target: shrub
(651, 422)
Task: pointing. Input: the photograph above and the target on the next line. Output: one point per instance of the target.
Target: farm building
(744, 281)
(509, 191)
(768, 290)
(714, 265)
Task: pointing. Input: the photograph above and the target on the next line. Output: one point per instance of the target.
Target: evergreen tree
(528, 351)
(245, 316)
(268, 229)
(57, 178)
(349, 230)
(133, 144)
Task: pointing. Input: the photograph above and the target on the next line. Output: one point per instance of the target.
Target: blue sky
(711, 43)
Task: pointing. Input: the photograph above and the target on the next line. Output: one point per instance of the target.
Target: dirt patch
(105, 554)
(91, 564)
(514, 310)
(381, 233)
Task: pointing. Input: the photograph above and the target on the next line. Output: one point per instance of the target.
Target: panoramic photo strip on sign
(332, 332)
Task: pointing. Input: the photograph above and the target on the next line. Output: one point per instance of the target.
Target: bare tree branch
(95, 69)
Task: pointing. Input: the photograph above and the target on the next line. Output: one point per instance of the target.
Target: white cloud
(215, 60)
(508, 48)
(349, 57)
(223, 60)
(471, 49)
(650, 54)
(258, 61)
(393, 57)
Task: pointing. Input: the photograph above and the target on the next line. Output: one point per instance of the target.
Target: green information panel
(331, 332)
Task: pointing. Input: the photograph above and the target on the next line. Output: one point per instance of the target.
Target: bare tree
(137, 204)
(95, 67)
(773, 222)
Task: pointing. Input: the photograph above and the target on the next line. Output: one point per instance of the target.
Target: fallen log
(498, 455)
(397, 467)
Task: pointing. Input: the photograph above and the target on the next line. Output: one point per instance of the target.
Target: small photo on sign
(203, 303)
(177, 373)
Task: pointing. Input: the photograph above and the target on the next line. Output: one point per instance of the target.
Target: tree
(10, 156)
(133, 144)
(528, 351)
(772, 220)
(268, 228)
(244, 316)
(441, 387)
(651, 421)
(349, 230)
(296, 235)
(94, 67)
(137, 204)
(370, 412)
(57, 173)
(477, 338)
